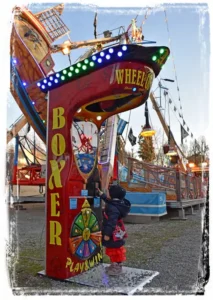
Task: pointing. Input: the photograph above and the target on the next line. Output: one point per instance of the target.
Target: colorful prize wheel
(85, 234)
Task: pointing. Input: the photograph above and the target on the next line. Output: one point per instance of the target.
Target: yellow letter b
(58, 118)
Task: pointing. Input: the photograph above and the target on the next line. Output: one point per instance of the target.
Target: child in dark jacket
(116, 208)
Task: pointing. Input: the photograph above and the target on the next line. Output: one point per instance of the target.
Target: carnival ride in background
(32, 52)
(31, 59)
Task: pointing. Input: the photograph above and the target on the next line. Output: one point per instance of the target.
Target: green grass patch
(25, 268)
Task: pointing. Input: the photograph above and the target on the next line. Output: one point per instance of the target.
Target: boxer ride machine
(80, 98)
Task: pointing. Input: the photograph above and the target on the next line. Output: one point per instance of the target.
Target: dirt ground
(27, 191)
(171, 247)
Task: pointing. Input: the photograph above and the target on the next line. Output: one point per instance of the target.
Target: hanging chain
(69, 59)
(145, 16)
(170, 44)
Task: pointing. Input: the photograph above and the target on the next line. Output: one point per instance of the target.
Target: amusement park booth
(80, 98)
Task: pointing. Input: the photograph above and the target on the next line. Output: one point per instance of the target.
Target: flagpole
(127, 126)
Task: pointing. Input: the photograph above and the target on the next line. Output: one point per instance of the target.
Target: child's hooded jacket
(115, 209)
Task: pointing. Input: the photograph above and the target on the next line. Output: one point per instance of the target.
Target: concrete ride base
(129, 282)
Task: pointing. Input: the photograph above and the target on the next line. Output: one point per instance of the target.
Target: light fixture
(57, 75)
(172, 152)
(14, 61)
(173, 159)
(165, 148)
(66, 50)
(191, 165)
(64, 71)
(162, 51)
(99, 60)
(107, 33)
(99, 118)
(147, 131)
(49, 83)
(124, 48)
(94, 57)
(84, 67)
(134, 89)
(38, 84)
(78, 111)
(78, 65)
(51, 78)
(111, 50)
(102, 54)
(71, 68)
(45, 81)
(69, 74)
(120, 53)
(154, 58)
(86, 61)
(107, 56)
(56, 80)
(24, 84)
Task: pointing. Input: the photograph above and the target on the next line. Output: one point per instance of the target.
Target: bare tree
(198, 151)
(185, 149)
(204, 148)
(159, 139)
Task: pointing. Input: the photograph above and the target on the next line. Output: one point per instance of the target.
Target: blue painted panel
(148, 210)
(73, 203)
(146, 198)
(96, 202)
(84, 192)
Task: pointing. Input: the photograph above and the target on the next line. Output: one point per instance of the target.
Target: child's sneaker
(114, 269)
(110, 267)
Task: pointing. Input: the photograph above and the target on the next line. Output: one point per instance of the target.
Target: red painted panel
(115, 168)
(63, 177)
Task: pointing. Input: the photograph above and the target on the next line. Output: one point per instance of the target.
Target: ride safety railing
(150, 177)
(29, 175)
(190, 186)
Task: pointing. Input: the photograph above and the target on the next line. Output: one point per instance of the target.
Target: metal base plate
(130, 281)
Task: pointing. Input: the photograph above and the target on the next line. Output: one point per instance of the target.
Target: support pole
(15, 162)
